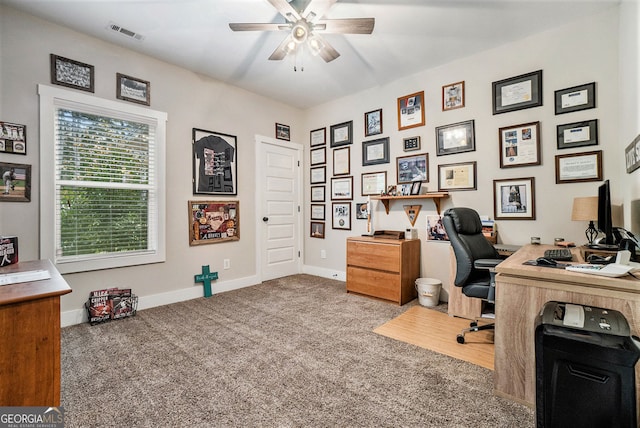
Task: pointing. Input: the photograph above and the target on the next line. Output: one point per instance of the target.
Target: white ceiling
(409, 36)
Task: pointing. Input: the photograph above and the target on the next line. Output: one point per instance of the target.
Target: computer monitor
(604, 215)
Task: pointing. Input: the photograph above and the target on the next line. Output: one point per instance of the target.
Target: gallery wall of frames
(332, 196)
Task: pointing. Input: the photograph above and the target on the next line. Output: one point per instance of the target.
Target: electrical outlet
(227, 264)
(323, 254)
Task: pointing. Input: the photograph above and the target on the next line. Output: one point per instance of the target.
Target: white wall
(629, 118)
(580, 52)
(191, 100)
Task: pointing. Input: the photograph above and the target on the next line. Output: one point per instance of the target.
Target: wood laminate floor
(437, 332)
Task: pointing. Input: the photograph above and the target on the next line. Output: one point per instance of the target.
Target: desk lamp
(586, 209)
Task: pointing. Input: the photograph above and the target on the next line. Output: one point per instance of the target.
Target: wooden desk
(30, 339)
(522, 290)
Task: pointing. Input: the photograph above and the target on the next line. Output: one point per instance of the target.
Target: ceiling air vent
(128, 33)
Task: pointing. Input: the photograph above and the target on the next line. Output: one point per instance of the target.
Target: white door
(279, 208)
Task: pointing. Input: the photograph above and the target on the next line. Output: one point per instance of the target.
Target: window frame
(52, 98)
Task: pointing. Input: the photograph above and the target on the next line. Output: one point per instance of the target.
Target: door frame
(260, 141)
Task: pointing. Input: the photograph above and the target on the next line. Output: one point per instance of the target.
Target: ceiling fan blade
(317, 9)
(346, 26)
(285, 9)
(258, 27)
(281, 50)
(327, 53)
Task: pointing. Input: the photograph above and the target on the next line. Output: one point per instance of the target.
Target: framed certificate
(517, 93)
(579, 167)
(577, 134)
(576, 98)
(520, 145)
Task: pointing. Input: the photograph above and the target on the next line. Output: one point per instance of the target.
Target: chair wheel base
(460, 339)
(473, 324)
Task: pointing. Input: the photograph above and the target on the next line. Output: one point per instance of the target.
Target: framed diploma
(455, 138)
(318, 156)
(317, 212)
(578, 134)
(411, 111)
(342, 188)
(576, 98)
(375, 151)
(342, 134)
(579, 167)
(318, 175)
(342, 161)
(317, 193)
(374, 183)
(457, 176)
(520, 145)
(517, 93)
(514, 199)
(318, 137)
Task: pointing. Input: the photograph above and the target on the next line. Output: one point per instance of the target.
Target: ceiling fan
(304, 22)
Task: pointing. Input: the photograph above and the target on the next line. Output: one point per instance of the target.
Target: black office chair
(476, 259)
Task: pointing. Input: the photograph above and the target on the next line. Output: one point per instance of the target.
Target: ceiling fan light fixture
(315, 45)
(300, 32)
(290, 47)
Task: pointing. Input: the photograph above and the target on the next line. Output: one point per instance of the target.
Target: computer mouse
(543, 261)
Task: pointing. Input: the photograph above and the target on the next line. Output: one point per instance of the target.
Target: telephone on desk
(622, 266)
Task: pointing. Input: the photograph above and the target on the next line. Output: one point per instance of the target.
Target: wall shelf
(436, 196)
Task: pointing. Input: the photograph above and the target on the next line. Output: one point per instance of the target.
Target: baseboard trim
(325, 273)
(79, 316)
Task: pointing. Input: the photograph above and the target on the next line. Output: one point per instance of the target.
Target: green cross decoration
(205, 277)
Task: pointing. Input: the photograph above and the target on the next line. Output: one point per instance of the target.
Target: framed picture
(411, 111)
(13, 138)
(519, 145)
(16, 182)
(435, 229)
(317, 212)
(131, 89)
(283, 132)
(514, 199)
(373, 123)
(317, 229)
(342, 188)
(317, 194)
(412, 168)
(341, 218)
(517, 93)
(318, 156)
(579, 167)
(457, 176)
(362, 212)
(375, 152)
(581, 97)
(211, 222)
(577, 134)
(342, 161)
(318, 174)
(342, 134)
(72, 74)
(453, 96)
(411, 143)
(215, 169)
(415, 187)
(374, 183)
(456, 138)
(318, 137)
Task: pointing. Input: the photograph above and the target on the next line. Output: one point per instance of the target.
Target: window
(102, 182)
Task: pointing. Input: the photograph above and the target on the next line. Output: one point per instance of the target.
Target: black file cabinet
(585, 368)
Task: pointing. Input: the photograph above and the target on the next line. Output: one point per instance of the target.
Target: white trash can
(428, 291)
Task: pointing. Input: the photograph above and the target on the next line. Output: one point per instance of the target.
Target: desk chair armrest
(487, 263)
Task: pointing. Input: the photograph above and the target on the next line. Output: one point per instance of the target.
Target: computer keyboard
(563, 254)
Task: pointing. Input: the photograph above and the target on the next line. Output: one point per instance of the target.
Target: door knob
(265, 219)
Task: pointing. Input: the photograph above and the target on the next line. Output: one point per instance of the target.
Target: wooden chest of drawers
(383, 268)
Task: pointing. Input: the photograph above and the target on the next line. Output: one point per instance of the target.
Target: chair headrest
(465, 220)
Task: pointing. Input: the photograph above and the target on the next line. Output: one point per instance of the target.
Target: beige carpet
(436, 331)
